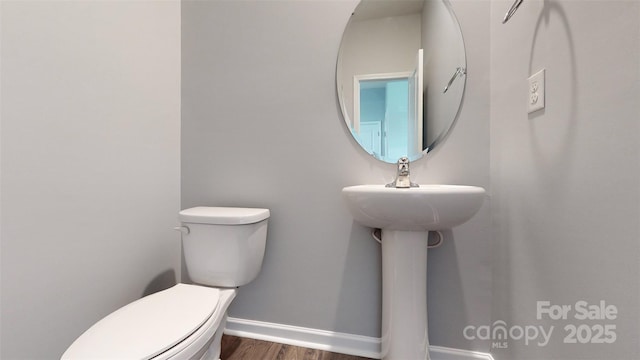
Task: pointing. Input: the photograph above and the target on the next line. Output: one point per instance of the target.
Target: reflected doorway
(388, 114)
(383, 116)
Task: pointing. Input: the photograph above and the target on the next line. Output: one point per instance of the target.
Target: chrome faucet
(402, 178)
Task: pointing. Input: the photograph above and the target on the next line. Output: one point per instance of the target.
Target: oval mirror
(400, 75)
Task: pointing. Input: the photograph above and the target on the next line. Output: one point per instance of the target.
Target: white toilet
(223, 247)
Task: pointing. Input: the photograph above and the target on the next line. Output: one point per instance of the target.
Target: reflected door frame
(368, 77)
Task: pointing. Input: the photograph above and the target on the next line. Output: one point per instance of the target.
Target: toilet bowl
(223, 249)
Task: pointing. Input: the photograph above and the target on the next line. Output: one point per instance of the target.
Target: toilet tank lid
(223, 215)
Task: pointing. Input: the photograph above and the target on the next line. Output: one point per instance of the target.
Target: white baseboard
(358, 345)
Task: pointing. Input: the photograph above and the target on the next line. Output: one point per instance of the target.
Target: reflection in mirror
(395, 61)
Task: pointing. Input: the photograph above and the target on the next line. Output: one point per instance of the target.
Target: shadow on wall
(162, 281)
(360, 284)
(448, 317)
(548, 159)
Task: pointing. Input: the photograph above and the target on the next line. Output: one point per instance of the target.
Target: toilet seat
(162, 325)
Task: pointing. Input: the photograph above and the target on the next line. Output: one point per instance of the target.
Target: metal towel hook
(459, 72)
(512, 11)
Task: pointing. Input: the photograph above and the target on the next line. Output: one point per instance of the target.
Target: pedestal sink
(405, 217)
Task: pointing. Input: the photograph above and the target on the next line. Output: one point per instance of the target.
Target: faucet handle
(403, 166)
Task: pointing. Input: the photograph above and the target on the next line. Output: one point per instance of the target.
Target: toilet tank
(224, 246)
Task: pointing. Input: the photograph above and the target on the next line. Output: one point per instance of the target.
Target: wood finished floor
(237, 348)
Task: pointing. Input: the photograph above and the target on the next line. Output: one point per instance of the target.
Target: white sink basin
(428, 207)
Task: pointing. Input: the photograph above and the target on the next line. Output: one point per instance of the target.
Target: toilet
(223, 249)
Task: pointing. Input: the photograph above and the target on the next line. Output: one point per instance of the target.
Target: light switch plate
(535, 92)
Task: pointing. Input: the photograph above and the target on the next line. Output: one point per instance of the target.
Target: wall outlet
(535, 94)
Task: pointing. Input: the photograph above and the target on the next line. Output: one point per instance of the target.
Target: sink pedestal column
(404, 295)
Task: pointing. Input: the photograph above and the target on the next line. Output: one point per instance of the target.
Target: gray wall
(566, 180)
(90, 165)
(261, 126)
